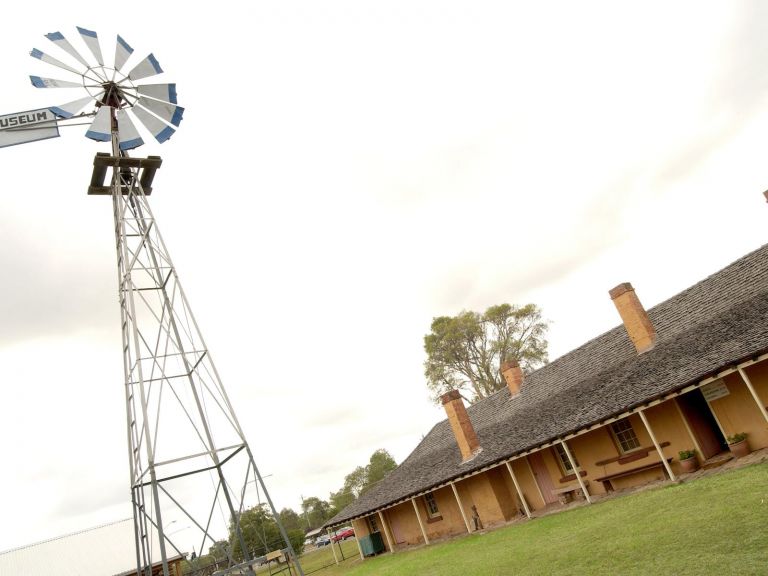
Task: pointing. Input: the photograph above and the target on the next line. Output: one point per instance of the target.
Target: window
(625, 435)
(373, 526)
(431, 505)
(562, 457)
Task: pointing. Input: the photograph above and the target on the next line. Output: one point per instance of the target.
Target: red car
(343, 534)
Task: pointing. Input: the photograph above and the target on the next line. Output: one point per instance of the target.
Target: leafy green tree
(465, 352)
(218, 550)
(341, 499)
(260, 533)
(355, 481)
(290, 519)
(380, 464)
(296, 536)
(316, 510)
(361, 479)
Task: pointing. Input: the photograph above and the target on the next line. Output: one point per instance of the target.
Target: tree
(380, 464)
(361, 479)
(341, 499)
(296, 536)
(260, 533)
(290, 520)
(317, 510)
(219, 550)
(465, 352)
(354, 482)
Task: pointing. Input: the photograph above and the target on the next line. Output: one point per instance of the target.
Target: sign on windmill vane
(29, 126)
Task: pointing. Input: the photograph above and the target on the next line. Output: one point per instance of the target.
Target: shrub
(736, 438)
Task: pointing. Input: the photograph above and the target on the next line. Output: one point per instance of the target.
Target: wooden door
(394, 526)
(542, 477)
(702, 423)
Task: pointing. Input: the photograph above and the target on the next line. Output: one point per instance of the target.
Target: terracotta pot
(739, 449)
(689, 464)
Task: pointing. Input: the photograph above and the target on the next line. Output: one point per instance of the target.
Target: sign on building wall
(28, 126)
(715, 390)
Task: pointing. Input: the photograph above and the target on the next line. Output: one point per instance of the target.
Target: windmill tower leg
(180, 421)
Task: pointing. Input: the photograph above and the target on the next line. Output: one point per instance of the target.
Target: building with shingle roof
(686, 375)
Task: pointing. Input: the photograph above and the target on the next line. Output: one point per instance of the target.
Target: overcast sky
(346, 171)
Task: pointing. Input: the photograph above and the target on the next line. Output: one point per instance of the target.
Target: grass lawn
(317, 559)
(715, 525)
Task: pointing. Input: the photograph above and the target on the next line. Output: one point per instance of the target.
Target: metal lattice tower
(188, 456)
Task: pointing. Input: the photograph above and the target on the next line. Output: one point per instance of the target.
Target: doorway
(702, 423)
(542, 478)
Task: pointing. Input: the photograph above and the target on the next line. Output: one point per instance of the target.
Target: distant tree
(202, 566)
(361, 479)
(317, 510)
(380, 464)
(296, 536)
(260, 533)
(290, 519)
(465, 352)
(219, 550)
(341, 499)
(355, 481)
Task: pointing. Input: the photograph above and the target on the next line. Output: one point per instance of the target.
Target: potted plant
(688, 461)
(738, 444)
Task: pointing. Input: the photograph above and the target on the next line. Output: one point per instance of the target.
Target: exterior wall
(527, 484)
(450, 522)
(588, 449)
(668, 426)
(404, 525)
(515, 506)
(593, 448)
(478, 491)
(738, 412)
(504, 490)
(360, 527)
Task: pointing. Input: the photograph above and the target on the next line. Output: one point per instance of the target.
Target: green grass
(715, 525)
(316, 559)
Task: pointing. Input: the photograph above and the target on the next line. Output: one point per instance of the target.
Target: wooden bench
(570, 493)
(606, 480)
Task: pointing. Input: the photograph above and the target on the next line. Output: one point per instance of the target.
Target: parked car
(343, 533)
(322, 541)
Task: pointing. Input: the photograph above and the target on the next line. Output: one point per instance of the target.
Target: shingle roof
(712, 325)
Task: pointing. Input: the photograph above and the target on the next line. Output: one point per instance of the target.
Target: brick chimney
(634, 316)
(513, 375)
(460, 423)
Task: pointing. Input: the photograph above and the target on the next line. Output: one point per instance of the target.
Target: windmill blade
(168, 112)
(159, 129)
(122, 52)
(129, 136)
(92, 41)
(164, 92)
(39, 82)
(51, 60)
(58, 39)
(71, 108)
(100, 129)
(147, 67)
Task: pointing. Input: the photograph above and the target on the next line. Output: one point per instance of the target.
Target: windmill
(186, 449)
